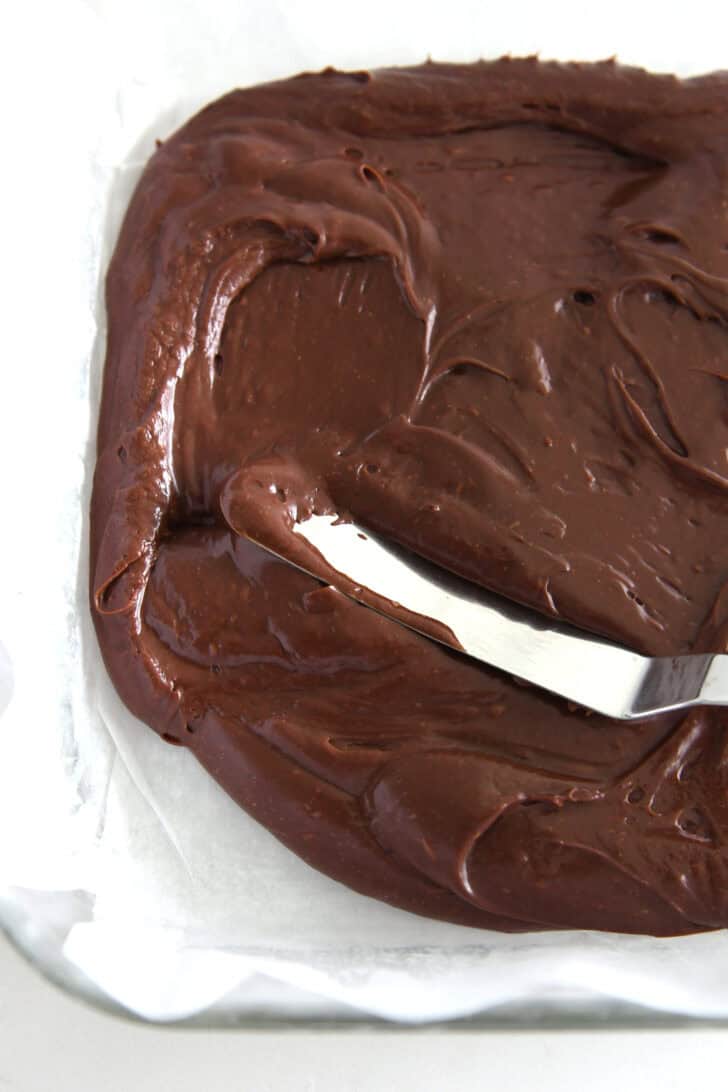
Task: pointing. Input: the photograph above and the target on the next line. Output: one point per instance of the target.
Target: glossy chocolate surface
(483, 310)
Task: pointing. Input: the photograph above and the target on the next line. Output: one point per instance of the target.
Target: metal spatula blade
(587, 670)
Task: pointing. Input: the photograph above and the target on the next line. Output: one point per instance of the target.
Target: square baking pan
(126, 875)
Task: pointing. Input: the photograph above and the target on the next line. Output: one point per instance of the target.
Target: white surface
(49, 1042)
(178, 887)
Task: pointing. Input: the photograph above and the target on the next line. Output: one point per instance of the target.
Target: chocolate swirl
(483, 309)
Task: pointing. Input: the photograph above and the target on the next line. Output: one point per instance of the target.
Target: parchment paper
(120, 859)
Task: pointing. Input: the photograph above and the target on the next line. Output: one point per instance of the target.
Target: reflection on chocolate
(483, 310)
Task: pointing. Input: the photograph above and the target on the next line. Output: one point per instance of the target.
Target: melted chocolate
(483, 310)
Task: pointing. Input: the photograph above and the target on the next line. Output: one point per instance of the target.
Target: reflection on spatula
(588, 670)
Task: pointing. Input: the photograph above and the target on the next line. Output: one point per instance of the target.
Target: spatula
(587, 670)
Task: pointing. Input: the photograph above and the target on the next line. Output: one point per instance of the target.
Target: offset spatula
(587, 670)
